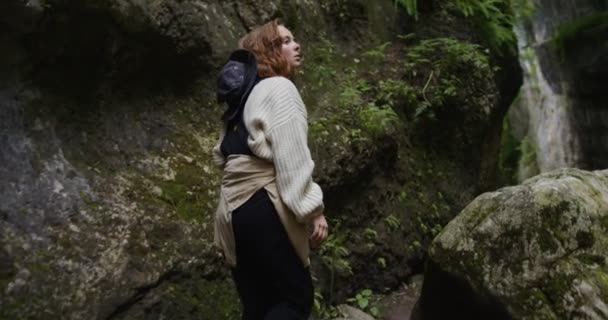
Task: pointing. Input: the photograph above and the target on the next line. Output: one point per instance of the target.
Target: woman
(270, 209)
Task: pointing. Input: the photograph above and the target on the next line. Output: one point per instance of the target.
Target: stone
(534, 251)
(352, 313)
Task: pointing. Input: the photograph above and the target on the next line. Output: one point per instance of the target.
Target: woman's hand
(319, 230)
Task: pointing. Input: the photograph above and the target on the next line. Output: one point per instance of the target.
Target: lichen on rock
(538, 250)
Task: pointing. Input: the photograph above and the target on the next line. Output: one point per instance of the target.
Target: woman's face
(290, 48)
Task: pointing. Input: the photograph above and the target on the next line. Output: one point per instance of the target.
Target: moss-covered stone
(189, 297)
(535, 247)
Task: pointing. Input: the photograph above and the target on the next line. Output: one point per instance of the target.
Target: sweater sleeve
(291, 156)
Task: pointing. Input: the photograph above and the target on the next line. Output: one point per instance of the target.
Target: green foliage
(335, 255)
(411, 7)
(323, 310)
(493, 19)
(523, 9)
(373, 104)
(377, 54)
(402, 196)
(382, 262)
(370, 234)
(444, 61)
(377, 119)
(388, 91)
(365, 300)
(393, 222)
(350, 96)
(453, 52)
(323, 57)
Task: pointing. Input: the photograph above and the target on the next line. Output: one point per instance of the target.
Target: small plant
(411, 7)
(350, 96)
(377, 54)
(416, 244)
(393, 222)
(382, 262)
(402, 197)
(370, 234)
(323, 310)
(363, 300)
(494, 20)
(377, 119)
(388, 91)
(334, 256)
(436, 230)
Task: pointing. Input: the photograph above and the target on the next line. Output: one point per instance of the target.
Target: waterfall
(552, 107)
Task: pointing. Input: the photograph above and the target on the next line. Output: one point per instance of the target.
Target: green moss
(500, 251)
(592, 259)
(532, 300)
(556, 287)
(185, 195)
(601, 279)
(458, 262)
(547, 241)
(552, 215)
(190, 193)
(90, 202)
(195, 297)
(550, 234)
(528, 156)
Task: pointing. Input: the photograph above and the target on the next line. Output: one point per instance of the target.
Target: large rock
(534, 251)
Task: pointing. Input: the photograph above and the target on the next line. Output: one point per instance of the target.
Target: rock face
(108, 116)
(534, 251)
(106, 191)
(562, 47)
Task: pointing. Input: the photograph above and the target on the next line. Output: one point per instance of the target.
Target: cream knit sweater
(276, 119)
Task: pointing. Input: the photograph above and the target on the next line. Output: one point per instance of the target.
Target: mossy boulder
(534, 251)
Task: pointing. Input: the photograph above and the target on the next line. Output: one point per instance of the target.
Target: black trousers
(271, 280)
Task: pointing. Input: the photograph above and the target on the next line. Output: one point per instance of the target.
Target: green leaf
(374, 311)
(363, 303)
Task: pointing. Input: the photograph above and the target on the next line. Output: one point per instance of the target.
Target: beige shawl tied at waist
(244, 176)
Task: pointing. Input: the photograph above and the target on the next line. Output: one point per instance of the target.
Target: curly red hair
(266, 44)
